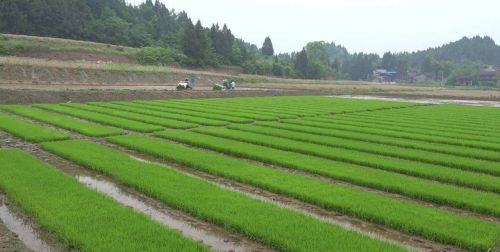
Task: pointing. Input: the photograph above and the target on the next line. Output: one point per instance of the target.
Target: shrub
(159, 56)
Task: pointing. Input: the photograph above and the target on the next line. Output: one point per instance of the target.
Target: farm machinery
(188, 83)
(226, 85)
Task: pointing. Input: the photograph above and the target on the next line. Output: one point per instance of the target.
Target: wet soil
(212, 235)
(9, 241)
(30, 238)
(11, 96)
(366, 228)
(363, 227)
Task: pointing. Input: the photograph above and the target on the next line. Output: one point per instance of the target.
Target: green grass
(102, 118)
(275, 226)
(65, 122)
(27, 130)
(79, 217)
(169, 123)
(21, 42)
(431, 223)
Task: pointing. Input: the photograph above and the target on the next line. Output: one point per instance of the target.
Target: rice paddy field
(301, 173)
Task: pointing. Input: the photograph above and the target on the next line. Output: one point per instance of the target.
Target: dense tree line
(168, 37)
(461, 59)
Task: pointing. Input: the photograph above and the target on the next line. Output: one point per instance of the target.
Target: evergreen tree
(267, 47)
(302, 63)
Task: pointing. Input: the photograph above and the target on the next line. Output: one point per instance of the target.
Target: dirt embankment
(9, 96)
(56, 75)
(73, 55)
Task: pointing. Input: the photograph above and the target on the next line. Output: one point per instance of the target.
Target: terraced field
(252, 174)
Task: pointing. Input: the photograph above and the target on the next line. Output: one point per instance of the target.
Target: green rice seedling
(79, 217)
(417, 122)
(444, 133)
(169, 123)
(180, 111)
(65, 122)
(219, 111)
(394, 141)
(430, 157)
(28, 131)
(178, 117)
(409, 136)
(422, 189)
(279, 228)
(102, 118)
(406, 216)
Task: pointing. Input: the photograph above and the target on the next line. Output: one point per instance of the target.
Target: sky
(375, 26)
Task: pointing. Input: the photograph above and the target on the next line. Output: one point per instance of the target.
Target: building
(489, 74)
(384, 75)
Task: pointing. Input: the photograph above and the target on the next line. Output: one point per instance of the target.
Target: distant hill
(478, 49)
(151, 33)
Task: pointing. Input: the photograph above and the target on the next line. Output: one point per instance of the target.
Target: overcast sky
(360, 25)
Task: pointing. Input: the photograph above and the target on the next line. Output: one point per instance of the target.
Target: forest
(168, 37)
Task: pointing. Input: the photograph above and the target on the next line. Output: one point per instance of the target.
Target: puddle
(425, 100)
(188, 229)
(24, 231)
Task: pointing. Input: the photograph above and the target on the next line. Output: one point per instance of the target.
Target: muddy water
(188, 229)
(23, 229)
(366, 228)
(214, 236)
(426, 100)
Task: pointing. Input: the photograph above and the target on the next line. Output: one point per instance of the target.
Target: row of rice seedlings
(101, 118)
(444, 133)
(432, 223)
(79, 217)
(181, 111)
(345, 106)
(230, 142)
(216, 111)
(278, 227)
(460, 116)
(169, 123)
(391, 141)
(430, 157)
(178, 117)
(442, 118)
(247, 106)
(308, 104)
(27, 130)
(384, 119)
(409, 136)
(232, 108)
(61, 121)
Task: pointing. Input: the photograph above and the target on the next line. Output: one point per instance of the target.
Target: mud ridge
(363, 227)
(212, 235)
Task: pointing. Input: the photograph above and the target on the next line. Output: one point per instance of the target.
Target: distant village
(488, 76)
